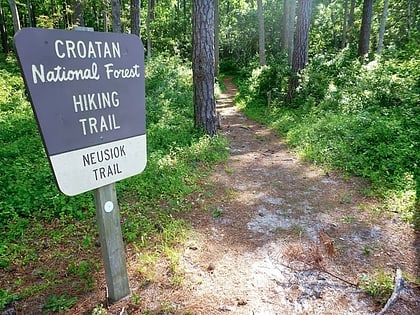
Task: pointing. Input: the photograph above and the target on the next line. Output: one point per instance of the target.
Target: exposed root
(398, 286)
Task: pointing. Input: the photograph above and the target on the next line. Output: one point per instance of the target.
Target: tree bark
(65, 14)
(301, 44)
(78, 13)
(261, 32)
(382, 28)
(3, 32)
(216, 37)
(284, 31)
(105, 14)
(364, 37)
(116, 16)
(344, 34)
(203, 66)
(287, 35)
(149, 18)
(31, 18)
(351, 21)
(135, 17)
(15, 15)
(409, 18)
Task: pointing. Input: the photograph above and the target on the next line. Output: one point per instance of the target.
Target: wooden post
(112, 245)
(110, 236)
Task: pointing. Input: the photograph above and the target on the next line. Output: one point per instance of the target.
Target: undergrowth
(40, 225)
(361, 119)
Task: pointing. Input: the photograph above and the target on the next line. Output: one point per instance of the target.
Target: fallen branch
(398, 286)
(324, 271)
(340, 278)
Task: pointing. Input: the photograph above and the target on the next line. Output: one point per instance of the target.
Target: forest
(339, 80)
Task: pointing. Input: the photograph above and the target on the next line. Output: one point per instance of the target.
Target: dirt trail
(274, 235)
(282, 237)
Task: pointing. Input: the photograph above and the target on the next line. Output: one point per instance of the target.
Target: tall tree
(216, 37)
(149, 18)
(301, 44)
(31, 14)
(205, 116)
(351, 21)
(15, 15)
(382, 27)
(3, 32)
(116, 16)
(344, 33)
(135, 17)
(261, 32)
(288, 23)
(285, 24)
(105, 14)
(65, 15)
(78, 13)
(410, 17)
(364, 36)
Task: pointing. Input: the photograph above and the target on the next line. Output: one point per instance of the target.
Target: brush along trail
(276, 235)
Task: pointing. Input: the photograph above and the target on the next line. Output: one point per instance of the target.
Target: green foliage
(217, 213)
(174, 147)
(59, 303)
(7, 297)
(176, 154)
(379, 286)
(99, 310)
(84, 270)
(361, 119)
(32, 209)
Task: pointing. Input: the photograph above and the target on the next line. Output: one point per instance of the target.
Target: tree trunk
(15, 15)
(409, 18)
(33, 17)
(135, 17)
(284, 30)
(351, 21)
(333, 29)
(292, 18)
(288, 24)
(105, 14)
(216, 37)
(116, 16)
(30, 13)
(3, 32)
(203, 66)
(382, 28)
(344, 34)
(364, 37)
(65, 14)
(301, 44)
(149, 18)
(78, 13)
(261, 32)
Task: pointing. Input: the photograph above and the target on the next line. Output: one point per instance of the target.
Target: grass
(41, 227)
(379, 286)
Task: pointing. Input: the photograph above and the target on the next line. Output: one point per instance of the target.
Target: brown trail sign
(88, 95)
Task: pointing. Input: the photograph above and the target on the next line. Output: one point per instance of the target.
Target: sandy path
(282, 237)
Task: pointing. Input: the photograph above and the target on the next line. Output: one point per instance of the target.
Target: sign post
(88, 96)
(112, 246)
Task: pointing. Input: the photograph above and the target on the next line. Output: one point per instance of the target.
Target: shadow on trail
(271, 208)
